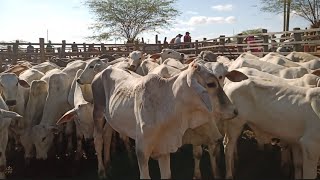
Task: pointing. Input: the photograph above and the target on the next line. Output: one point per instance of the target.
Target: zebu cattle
(293, 109)
(33, 114)
(121, 118)
(81, 112)
(5, 120)
(56, 105)
(301, 57)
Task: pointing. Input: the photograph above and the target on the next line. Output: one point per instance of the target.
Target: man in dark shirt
(187, 39)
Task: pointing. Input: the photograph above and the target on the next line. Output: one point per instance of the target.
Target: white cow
(33, 114)
(279, 59)
(312, 64)
(55, 106)
(278, 70)
(5, 120)
(307, 80)
(120, 115)
(45, 67)
(167, 53)
(81, 112)
(289, 113)
(145, 67)
(301, 57)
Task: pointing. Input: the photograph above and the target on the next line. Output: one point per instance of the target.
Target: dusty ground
(253, 164)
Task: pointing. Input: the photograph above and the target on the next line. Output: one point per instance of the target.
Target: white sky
(69, 20)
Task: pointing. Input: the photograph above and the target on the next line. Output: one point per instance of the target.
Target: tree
(252, 31)
(307, 9)
(129, 18)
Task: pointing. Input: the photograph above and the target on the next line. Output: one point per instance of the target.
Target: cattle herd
(160, 102)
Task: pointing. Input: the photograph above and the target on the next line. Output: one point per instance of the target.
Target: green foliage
(252, 31)
(129, 18)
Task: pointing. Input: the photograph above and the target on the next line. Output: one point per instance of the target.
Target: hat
(187, 33)
(180, 35)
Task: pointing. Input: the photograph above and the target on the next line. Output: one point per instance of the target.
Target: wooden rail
(307, 40)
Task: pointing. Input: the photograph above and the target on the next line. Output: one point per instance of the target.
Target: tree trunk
(288, 15)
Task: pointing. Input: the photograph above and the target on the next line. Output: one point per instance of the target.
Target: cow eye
(212, 85)
(43, 139)
(91, 66)
(220, 77)
(169, 52)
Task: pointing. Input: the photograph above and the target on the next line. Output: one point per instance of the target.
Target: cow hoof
(102, 174)
(2, 176)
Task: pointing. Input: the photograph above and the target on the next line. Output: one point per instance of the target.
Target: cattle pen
(307, 40)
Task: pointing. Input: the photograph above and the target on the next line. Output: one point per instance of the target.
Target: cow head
(82, 114)
(90, 71)
(170, 53)
(9, 83)
(206, 86)
(219, 70)
(135, 59)
(43, 137)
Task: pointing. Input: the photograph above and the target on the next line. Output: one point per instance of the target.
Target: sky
(69, 20)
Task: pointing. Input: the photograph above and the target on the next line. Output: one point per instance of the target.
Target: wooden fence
(307, 40)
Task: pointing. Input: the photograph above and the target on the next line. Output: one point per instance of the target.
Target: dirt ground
(252, 164)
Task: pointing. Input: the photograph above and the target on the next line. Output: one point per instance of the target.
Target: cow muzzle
(11, 102)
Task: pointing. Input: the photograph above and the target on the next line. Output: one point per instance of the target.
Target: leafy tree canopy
(129, 18)
(307, 9)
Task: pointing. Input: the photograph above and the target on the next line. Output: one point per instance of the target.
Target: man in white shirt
(178, 40)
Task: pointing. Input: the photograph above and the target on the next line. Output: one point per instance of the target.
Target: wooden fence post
(165, 43)
(222, 42)
(84, 51)
(156, 38)
(265, 41)
(15, 52)
(136, 46)
(239, 42)
(42, 53)
(63, 49)
(297, 38)
(196, 46)
(103, 49)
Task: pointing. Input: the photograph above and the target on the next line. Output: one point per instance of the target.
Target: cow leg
(234, 129)
(126, 142)
(79, 151)
(107, 137)
(310, 156)
(214, 151)
(287, 161)
(197, 153)
(164, 164)
(98, 139)
(297, 161)
(143, 155)
(3, 146)
(68, 132)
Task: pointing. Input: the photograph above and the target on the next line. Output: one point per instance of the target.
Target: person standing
(177, 41)
(187, 39)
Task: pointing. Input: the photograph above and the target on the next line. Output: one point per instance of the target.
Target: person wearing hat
(187, 39)
(177, 40)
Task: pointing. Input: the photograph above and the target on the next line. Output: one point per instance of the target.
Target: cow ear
(236, 76)
(68, 116)
(24, 83)
(155, 56)
(9, 114)
(316, 72)
(200, 90)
